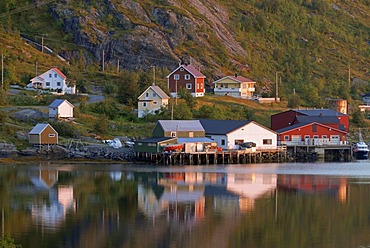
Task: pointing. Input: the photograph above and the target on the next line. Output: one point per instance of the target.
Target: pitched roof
(194, 140)
(39, 128)
(318, 112)
(57, 102)
(320, 119)
(181, 125)
(155, 139)
(157, 90)
(191, 69)
(285, 129)
(239, 79)
(222, 126)
(59, 72)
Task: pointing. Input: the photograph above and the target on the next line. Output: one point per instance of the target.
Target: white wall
(250, 132)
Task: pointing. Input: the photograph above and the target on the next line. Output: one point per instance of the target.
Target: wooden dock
(215, 157)
(342, 153)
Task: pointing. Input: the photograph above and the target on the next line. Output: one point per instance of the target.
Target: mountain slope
(311, 43)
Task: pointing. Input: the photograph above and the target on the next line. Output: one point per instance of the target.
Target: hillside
(313, 44)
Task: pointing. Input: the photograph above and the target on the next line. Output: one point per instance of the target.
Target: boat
(174, 148)
(361, 149)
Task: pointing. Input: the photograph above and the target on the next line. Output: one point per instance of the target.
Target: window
(154, 94)
(47, 84)
(324, 137)
(50, 75)
(173, 134)
(191, 134)
(181, 69)
(144, 104)
(267, 141)
(306, 136)
(237, 142)
(316, 136)
(58, 83)
(244, 86)
(51, 135)
(187, 76)
(314, 128)
(188, 86)
(223, 142)
(286, 137)
(176, 76)
(55, 75)
(201, 86)
(147, 94)
(154, 103)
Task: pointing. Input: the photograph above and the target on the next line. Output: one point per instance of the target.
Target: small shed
(60, 108)
(43, 134)
(154, 144)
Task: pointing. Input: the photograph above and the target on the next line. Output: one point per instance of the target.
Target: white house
(53, 80)
(151, 101)
(60, 108)
(230, 133)
(236, 86)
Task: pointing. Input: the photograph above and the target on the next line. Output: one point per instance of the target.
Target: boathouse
(179, 128)
(43, 134)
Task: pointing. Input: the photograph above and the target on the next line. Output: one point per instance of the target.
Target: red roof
(59, 72)
(191, 69)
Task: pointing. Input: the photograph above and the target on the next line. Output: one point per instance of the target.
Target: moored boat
(361, 149)
(174, 147)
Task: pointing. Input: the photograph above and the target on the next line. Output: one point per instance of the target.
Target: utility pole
(176, 92)
(349, 75)
(42, 43)
(276, 87)
(118, 67)
(2, 71)
(36, 68)
(103, 61)
(153, 75)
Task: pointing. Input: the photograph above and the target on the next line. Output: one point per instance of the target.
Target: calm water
(265, 205)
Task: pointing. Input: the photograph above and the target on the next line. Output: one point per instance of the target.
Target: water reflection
(90, 207)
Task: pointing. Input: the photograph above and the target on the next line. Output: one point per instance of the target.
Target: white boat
(361, 149)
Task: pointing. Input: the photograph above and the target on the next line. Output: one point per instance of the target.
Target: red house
(186, 77)
(324, 116)
(313, 133)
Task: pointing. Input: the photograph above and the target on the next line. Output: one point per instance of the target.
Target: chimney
(236, 74)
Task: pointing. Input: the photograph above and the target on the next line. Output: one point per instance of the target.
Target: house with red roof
(236, 86)
(53, 80)
(186, 77)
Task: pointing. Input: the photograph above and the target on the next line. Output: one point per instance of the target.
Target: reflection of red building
(313, 184)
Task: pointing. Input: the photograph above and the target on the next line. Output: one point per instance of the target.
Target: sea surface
(125, 205)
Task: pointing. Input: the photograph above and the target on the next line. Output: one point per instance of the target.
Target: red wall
(284, 119)
(307, 130)
(181, 83)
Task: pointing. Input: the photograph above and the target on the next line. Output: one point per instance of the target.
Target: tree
(129, 88)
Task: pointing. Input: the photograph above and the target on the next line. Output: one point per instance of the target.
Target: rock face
(141, 35)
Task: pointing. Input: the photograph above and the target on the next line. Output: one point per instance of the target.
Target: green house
(153, 145)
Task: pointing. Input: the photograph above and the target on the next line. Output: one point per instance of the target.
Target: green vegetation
(310, 45)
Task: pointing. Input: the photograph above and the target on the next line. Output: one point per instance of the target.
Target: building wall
(253, 133)
(45, 139)
(182, 82)
(34, 139)
(152, 103)
(65, 110)
(283, 119)
(307, 130)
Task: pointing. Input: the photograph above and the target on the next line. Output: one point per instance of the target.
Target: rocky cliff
(141, 34)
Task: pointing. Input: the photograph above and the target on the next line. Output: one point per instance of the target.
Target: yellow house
(236, 86)
(151, 101)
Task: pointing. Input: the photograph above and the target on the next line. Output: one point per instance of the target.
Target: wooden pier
(215, 157)
(342, 153)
